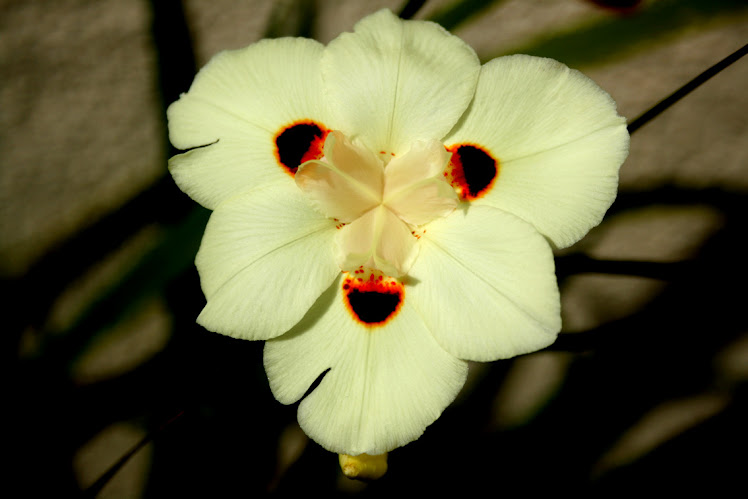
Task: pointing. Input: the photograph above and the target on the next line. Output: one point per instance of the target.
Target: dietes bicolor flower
(384, 209)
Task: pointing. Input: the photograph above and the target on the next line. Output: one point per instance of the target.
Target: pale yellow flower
(385, 208)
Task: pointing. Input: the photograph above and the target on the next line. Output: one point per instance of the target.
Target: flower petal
(485, 286)
(385, 384)
(424, 201)
(237, 105)
(393, 82)
(265, 258)
(378, 239)
(415, 189)
(558, 140)
(347, 184)
(424, 160)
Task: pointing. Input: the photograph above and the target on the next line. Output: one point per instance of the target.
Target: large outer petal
(385, 384)
(485, 285)
(265, 258)
(393, 82)
(558, 139)
(237, 104)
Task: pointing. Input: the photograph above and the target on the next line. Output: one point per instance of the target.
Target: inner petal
(378, 239)
(424, 160)
(362, 165)
(333, 193)
(414, 186)
(347, 183)
(380, 206)
(423, 202)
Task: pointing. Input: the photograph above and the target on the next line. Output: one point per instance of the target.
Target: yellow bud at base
(363, 466)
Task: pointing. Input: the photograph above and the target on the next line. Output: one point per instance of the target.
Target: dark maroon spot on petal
(373, 307)
(372, 301)
(472, 170)
(299, 142)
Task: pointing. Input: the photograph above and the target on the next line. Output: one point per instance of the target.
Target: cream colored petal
(558, 140)
(566, 191)
(485, 286)
(385, 384)
(397, 247)
(424, 160)
(358, 163)
(236, 106)
(423, 202)
(393, 82)
(354, 243)
(378, 239)
(415, 188)
(265, 258)
(210, 175)
(347, 184)
(334, 195)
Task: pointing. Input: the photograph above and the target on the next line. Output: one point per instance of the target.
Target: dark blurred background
(645, 390)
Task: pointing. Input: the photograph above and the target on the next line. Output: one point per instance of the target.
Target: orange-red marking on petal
(299, 142)
(372, 298)
(472, 170)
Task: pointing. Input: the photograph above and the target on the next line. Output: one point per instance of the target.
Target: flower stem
(686, 89)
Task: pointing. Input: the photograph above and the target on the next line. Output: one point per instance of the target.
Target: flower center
(380, 205)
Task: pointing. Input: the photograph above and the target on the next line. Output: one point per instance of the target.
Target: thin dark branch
(100, 483)
(411, 8)
(686, 89)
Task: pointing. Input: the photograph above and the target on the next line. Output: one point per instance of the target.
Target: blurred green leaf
(613, 37)
(174, 255)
